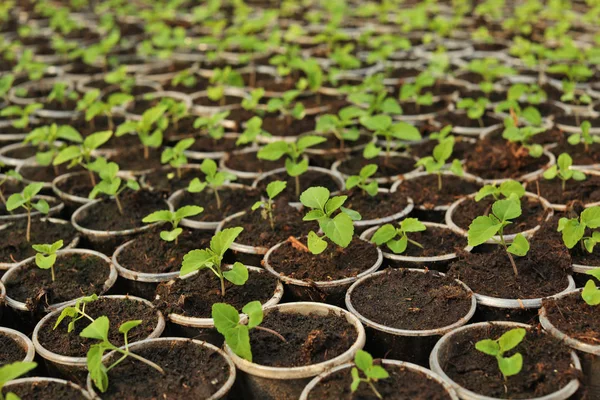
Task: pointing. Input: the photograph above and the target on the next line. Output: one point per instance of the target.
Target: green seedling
(76, 312)
(25, 200)
(523, 136)
(485, 227)
(251, 102)
(339, 228)
(6, 83)
(396, 239)
(378, 102)
(93, 106)
(591, 293)
(121, 78)
(342, 126)
(12, 371)
(98, 330)
(490, 70)
(186, 78)
(221, 79)
(175, 155)
(8, 176)
(213, 124)
(149, 128)
(174, 218)
(22, 115)
(46, 255)
(382, 125)
(414, 91)
(436, 162)
(215, 179)
(45, 138)
(562, 170)
(584, 137)
(362, 180)
(505, 190)
(61, 93)
(111, 184)
(364, 363)
(573, 229)
(475, 108)
(267, 207)
(508, 366)
(295, 163)
(253, 132)
(570, 94)
(175, 110)
(287, 106)
(212, 259)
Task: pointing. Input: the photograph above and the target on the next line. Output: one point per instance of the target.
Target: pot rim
(36, 379)
(22, 340)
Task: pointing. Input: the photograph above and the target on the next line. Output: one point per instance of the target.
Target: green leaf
(238, 275)
(368, 171)
(96, 368)
(363, 360)
(354, 215)
(591, 217)
(512, 365)
(196, 186)
(482, 229)
(309, 141)
(97, 330)
(169, 236)
(97, 139)
(67, 154)
(296, 169)
(572, 231)
(42, 206)
(339, 230)
(195, 260)
(129, 325)
(594, 272)
(32, 189)
(511, 339)
(273, 151)
(45, 262)
(355, 380)
(209, 167)
(158, 216)
(376, 122)
(315, 197)
(225, 317)
(15, 201)
(591, 294)
(222, 240)
(405, 131)
(274, 188)
(488, 346)
(254, 312)
(412, 225)
(334, 203)
(507, 209)
(519, 246)
(316, 244)
(187, 211)
(384, 234)
(512, 187)
(238, 340)
(352, 181)
(398, 246)
(14, 370)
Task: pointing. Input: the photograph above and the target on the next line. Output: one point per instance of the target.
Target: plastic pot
(35, 381)
(75, 368)
(55, 208)
(180, 97)
(388, 364)
(214, 155)
(70, 200)
(239, 247)
(528, 176)
(213, 109)
(245, 175)
(11, 161)
(23, 341)
(335, 167)
(276, 383)
(563, 207)
(440, 354)
(475, 131)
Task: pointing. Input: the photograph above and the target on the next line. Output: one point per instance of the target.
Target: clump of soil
(166, 180)
(46, 390)
(10, 350)
(374, 207)
(424, 190)
(587, 191)
(395, 166)
(573, 316)
(232, 200)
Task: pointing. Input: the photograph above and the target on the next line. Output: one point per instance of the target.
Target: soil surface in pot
(574, 317)
(546, 365)
(78, 185)
(132, 158)
(248, 162)
(412, 108)
(105, 215)
(14, 247)
(310, 339)
(587, 191)
(424, 190)
(533, 214)
(402, 384)
(435, 241)
(394, 166)
(206, 144)
(461, 119)
(46, 390)
(76, 275)
(578, 152)
(225, 101)
(191, 372)
(461, 148)
(334, 145)
(45, 174)
(402, 299)
(10, 350)
(332, 264)
(307, 179)
(194, 296)
(165, 180)
(232, 200)
(374, 207)
(281, 127)
(118, 311)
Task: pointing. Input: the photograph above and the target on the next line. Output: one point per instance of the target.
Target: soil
(581, 256)
(424, 190)
(310, 339)
(79, 185)
(46, 390)
(277, 126)
(68, 105)
(14, 247)
(576, 318)
(435, 242)
(402, 384)
(546, 366)
(411, 108)
(21, 153)
(379, 206)
(396, 166)
(194, 296)
(248, 162)
(131, 159)
(158, 180)
(76, 275)
(461, 119)
(105, 215)
(587, 191)
(10, 350)
(332, 264)
(578, 152)
(232, 200)
(118, 311)
(576, 122)
(191, 372)
(206, 144)
(532, 216)
(149, 253)
(334, 146)
(461, 147)
(307, 179)
(228, 101)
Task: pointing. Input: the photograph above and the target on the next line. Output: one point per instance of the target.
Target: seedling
(382, 125)
(252, 132)
(6, 83)
(46, 255)
(215, 179)
(9, 175)
(295, 163)
(22, 114)
(396, 239)
(372, 373)
(111, 184)
(186, 78)
(174, 218)
(45, 138)
(213, 124)
(591, 293)
(251, 103)
(529, 114)
(339, 228)
(475, 108)
(149, 128)
(485, 227)
(175, 110)
(267, 207)
(26, 63)
(508, 366)
(342, 126)
(121, 78)
(286, 106)
(570, 94)
(93, 105)
(175, 155)
(506, 189)
(12, 371)
(378, 102)
(220, 79)
(25, 200)
(414, 91)
(562, 170)
(523, 136)
(362, 181)
(584, 137)
(490, 70)
(573, 229)
(61, 92)
(76, 312)
(436, 162)
(212, 259)
(98, 330)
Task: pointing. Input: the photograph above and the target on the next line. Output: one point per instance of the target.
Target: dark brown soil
(118, 311)
(229, 100)
(68, 105)
(435, 242)
(576, 318)
(334, 145)
(77, 185)
(149, 253)
(21, 153)
(277, 126)
(424, 190)
(76, 275)
(307, 179)
(132, 159)
(411, 108)
(45, 174)
(402, 384)
(192, 372)
(10, 350)
(310, 339)
(194, 296)
(461, 148)
(105, 215)
(333, 264)
(208, 144)
(587, 191)
(14, 247)
(403, 299)
(395, 166)
(546, 366)
(374, 207)
(46, 390)
(159, 180)
(248, 162)
(578, 152)
(461, 119)
(232, 200)
(581, 256)
(532, 216)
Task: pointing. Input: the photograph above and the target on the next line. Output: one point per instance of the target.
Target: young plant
(362, 180)
(287, 106)
(475, 108)
(339, 228)
(175, 155)
(342, 126)
(573, 229)
(25, 200)
(267, 207)
(8, 175)
(562, 170)
(295, 163)
(46, 255)
(396, 239)
(212, 259)
(251, 103)
(506, 189)
(121, 78)
(252, 132)
(174, 218)
(214, 179)
(523, 136)
(45, 138)
(584, 137)
(570, 94)
(221, 79)
(93, 105)
(76, 312)
(149, 128)
(213, 124)
(61, 93)
(111, 184)
(414, 91)
(437, 160)
(22, 115)
(372, 373)
(490, 70)
(591, 293)
(98, 330)
(12, 371)
(508, 366)
(382, 125)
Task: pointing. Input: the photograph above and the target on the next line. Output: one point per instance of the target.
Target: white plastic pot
(14, 162)
(335, 167)
(55, 207)
(23, 341)
(563, 207)
(35, 381)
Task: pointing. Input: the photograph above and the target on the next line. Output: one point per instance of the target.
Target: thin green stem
(510, 257)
